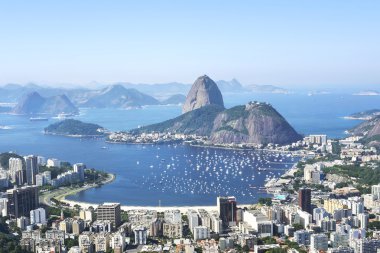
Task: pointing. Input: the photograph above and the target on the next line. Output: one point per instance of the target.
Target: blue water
(147, 174)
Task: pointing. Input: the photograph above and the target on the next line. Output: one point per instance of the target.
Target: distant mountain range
(204, 114)
(14, 92)
(35, 99)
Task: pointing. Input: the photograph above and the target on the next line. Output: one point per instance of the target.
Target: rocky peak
(203, 92)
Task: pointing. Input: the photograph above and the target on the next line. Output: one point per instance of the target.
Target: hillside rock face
(34, 103)
(203, 92)
(257, 123)
(370, 130)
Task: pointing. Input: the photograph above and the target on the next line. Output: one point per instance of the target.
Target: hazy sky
(281, 42)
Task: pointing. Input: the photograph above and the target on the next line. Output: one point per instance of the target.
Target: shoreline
(76, 135)
(61, 193)
(182, 209)
(295, 153)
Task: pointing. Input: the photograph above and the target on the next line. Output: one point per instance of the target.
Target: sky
(284, 43)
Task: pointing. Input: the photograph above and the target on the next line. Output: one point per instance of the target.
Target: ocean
(179, 174)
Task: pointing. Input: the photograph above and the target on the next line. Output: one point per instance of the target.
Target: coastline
(75, 135)
(61, 193)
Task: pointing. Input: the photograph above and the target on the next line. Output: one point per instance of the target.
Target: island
(75, 128)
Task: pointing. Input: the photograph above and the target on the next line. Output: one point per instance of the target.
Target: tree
(265, 201)
(297, 226)
(71, 242)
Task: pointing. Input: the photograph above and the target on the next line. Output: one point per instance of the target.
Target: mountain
(34, 103)
(203, 92)
(117, 96)
(174, 100)
(159, 89)
(71, 127)
(199, 122)
(230, 86)
(14, 92)
(366, 115)
(254, 123)
(370, 130)
(266, 89)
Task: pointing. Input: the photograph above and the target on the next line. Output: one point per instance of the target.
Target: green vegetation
(8, 242)
(67, 212)
(231, 129)
(294, 245)
(370, 139)
(74, 127)
(265, 201)
(374, 225)
(4, 159)
(266, 240)
(364, 176)
(236, 112)
(124, 217)
(70, 242)
(297, 226)
(55, 171)
(198, 121)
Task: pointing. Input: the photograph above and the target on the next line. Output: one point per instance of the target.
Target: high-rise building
(79, 168)
(109, 212)
(173, 216)
(86, 215)
(193, 218)
(38, 216)
(302, 237)
(141, 234)
(319, 242)
(31, 167)
(78, 227)
(227, 210)
(22, 200)
(201, 232)
(363, 220)
(16, 171)
(304, 199)
(375, 191)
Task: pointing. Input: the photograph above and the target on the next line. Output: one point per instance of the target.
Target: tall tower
(22, 200)
(227, 210)
(31, 163)
(304, 199)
